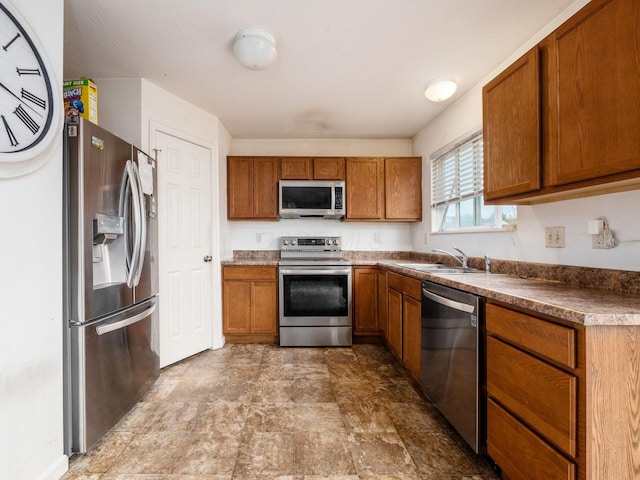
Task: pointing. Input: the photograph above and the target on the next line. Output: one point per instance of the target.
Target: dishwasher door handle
(463, 307)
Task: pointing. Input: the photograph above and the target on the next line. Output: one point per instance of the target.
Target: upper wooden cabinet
(252, 188)
(594, 94)
(308, 168)
(511, 117)
(384, 189)
(403, 188)
(365, 188)
(377, 189)
(588, 104)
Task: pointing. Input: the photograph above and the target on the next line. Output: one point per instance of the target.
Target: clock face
(27, 102)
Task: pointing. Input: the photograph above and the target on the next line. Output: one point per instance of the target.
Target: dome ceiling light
(440, 89)
(255, 48)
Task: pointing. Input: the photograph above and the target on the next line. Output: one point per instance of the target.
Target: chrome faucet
(463, 259)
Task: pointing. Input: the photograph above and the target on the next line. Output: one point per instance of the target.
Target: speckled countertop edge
(586, 306)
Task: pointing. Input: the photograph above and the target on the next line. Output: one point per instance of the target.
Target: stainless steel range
(315, 293)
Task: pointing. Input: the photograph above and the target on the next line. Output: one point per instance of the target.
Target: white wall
(527, 242)
(31, 421)
(120, 107)
(381, 236)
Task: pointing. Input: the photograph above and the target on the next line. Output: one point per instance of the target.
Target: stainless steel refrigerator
(111, 281)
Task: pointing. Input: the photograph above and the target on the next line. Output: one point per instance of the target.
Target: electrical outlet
(426, 238)
(258, 238)
(597, 241)
(377, 238)
(554, 237)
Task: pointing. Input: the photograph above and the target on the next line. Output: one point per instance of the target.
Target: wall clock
(29, 99)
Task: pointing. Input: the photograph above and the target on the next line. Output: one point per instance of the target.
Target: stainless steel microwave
(312, 198)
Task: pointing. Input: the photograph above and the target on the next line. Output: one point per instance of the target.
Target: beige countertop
(586, 306)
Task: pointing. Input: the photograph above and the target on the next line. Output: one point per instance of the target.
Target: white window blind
(457, 173)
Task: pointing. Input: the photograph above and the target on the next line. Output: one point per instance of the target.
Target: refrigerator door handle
(142, 226)
(129, 193)
(110, 327)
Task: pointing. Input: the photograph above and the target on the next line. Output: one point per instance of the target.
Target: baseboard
(56, 470)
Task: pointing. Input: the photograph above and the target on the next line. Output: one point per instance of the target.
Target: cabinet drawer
(553, 341)
(249, 273)
(405, 284)
(541, 395)
(519, 452)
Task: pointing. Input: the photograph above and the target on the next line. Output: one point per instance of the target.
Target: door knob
(207, 258)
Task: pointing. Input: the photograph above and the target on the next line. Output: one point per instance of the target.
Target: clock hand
(2, 85)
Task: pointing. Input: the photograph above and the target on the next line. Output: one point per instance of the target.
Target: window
(457, 203)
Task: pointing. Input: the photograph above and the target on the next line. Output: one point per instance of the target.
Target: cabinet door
(328, 168)
(411, 332)
(541, 395)
(403, 188)
(394, 338)
(239, 187)
(365, 189)
(383, 317)
(535, 459)
(365, 296)
(593, 93)
(264, 311)
(236, 307)
(511, 129)
(265, 186)
(296, 168)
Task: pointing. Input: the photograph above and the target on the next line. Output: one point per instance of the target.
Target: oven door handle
(463, 307)
(316, 271)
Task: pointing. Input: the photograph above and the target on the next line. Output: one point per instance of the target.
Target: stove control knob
(335, 241)
(294, 241)
(286, 242)
(328, 242)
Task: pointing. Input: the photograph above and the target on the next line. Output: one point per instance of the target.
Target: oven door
(315, 296)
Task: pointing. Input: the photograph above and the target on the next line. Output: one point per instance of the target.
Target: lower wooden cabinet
(533, 397)
(411, 335)
(366, 307)
(404, 320)
(394, 333)
(520, 452)
(249, 303)
(383, 310)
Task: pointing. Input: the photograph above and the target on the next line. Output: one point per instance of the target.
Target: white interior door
(184, 226)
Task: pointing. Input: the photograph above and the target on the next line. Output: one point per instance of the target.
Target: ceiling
(345, 68)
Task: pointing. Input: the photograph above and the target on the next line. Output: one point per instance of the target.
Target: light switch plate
(554, 237)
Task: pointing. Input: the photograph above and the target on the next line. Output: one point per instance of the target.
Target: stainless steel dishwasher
(450, 357)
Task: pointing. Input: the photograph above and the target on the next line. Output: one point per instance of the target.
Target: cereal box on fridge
(81, 99)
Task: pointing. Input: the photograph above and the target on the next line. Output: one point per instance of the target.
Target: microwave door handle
(463, 307)
(110, 327)
(142, 225)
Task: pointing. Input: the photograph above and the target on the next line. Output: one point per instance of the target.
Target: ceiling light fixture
(255, 48)
(440, 89)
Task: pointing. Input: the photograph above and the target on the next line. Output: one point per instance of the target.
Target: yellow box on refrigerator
(81, 99)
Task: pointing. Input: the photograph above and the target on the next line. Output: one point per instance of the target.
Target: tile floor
(263, 412)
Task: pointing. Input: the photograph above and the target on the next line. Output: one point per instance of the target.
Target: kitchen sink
(422, 266)
(438, 268)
